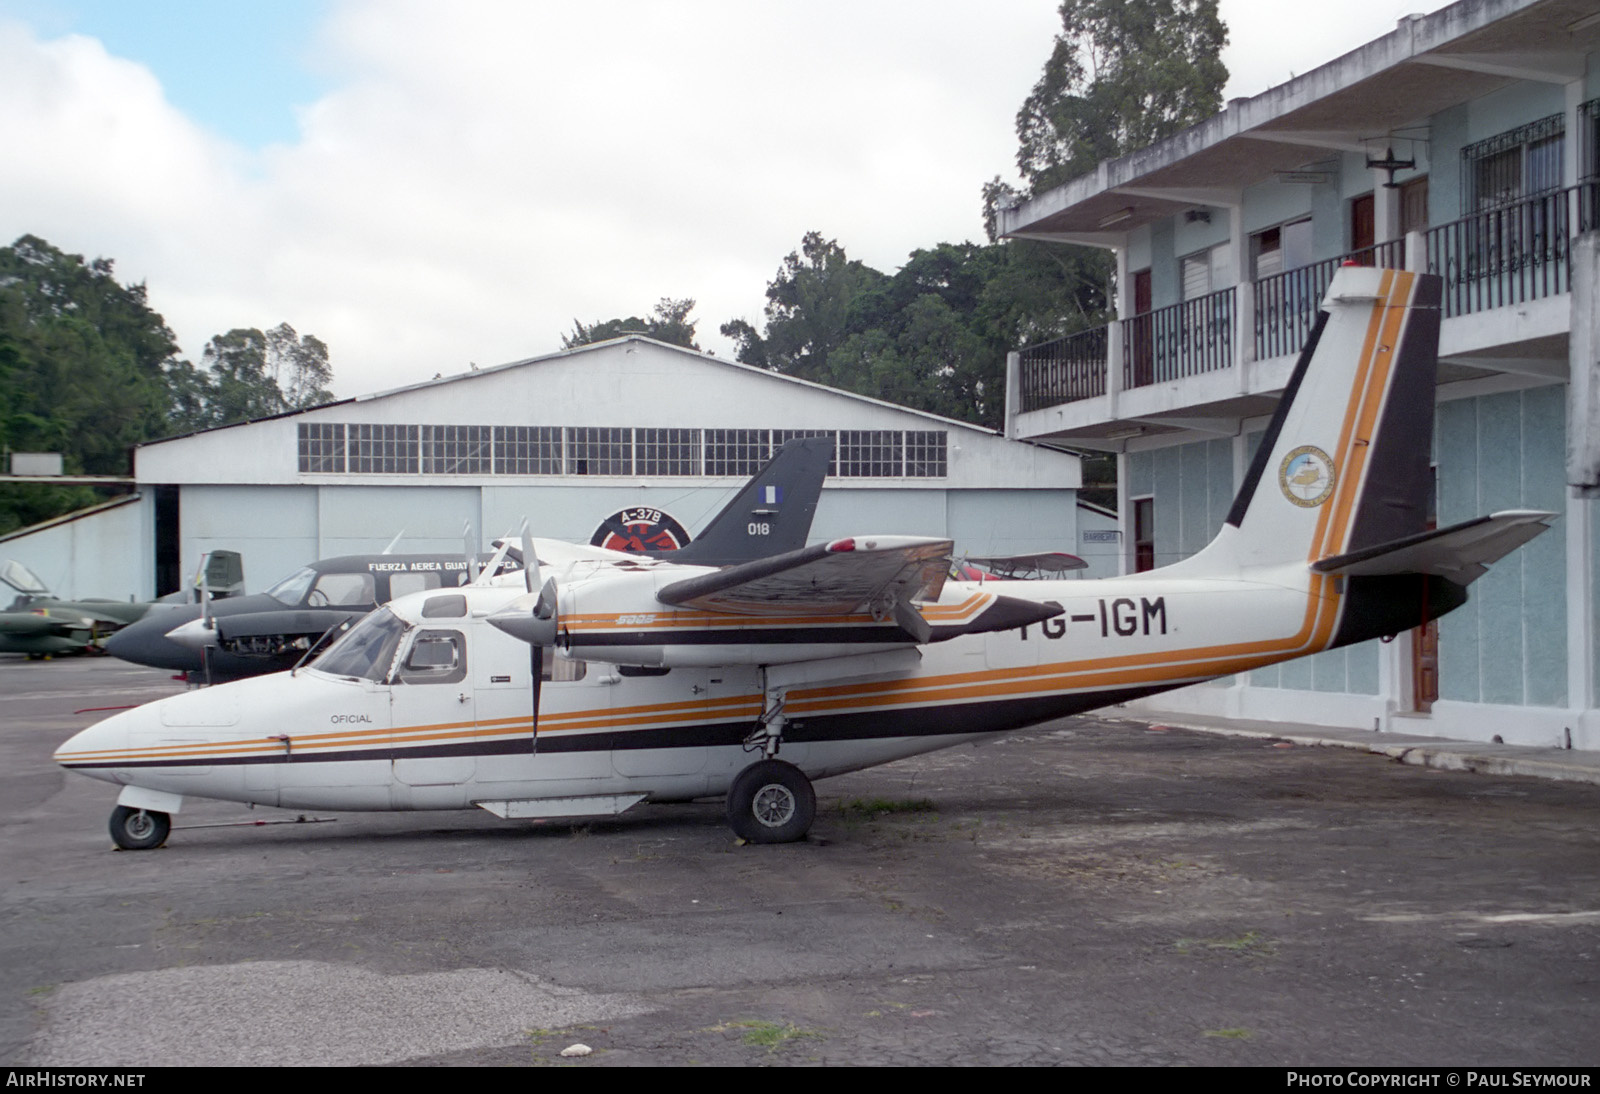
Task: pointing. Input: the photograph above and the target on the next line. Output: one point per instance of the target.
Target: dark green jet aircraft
(40, 624)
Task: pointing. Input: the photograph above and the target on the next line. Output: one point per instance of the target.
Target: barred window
(1510, 166)
(925, 454)
(736, 451)
(322, 446)
(870, 453)
(668, 451)
(455, 449)
(383, 449)
(527, 449)
(599, 451)
(781, 436)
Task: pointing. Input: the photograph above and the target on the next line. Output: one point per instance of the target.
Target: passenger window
(406, 583)
(435, 657)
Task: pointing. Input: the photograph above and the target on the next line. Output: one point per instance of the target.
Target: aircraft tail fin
(223, 573)
(772, 514)
(1345, 463)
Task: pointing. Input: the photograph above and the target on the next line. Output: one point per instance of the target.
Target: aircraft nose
(146, 643)
(95, 750)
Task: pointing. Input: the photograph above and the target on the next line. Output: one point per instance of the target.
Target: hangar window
(383, 449)
(322, 446)
(527, 449)
(455, 449)
(668, 451)
(736, 451)
(599, 451)
(925, 454)
(870, 453)
(782, 436)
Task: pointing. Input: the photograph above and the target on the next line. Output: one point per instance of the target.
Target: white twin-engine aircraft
(600, 680)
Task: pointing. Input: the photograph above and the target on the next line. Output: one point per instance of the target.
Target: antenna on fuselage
(395, 542)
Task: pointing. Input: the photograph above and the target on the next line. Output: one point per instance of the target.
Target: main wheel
(139, 829)
(771, 802)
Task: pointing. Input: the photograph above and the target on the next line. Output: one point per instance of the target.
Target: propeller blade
(530, 560)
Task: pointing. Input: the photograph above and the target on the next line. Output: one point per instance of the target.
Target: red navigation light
(842, 545)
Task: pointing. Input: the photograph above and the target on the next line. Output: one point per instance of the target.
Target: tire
(139, 829)
(771, 802)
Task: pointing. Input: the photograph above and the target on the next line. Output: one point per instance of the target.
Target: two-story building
(1466, 143)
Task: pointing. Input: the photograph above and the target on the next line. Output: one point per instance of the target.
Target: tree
(818, 298)
(81, 360)
(250, 374)
(1123, 75)
(669, 323)
(934, 335)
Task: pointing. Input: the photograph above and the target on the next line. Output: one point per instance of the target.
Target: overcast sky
(427, 186)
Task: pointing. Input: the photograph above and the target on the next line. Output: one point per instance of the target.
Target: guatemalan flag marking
(772, 495)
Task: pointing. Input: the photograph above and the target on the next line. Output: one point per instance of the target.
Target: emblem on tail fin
(1307, 476)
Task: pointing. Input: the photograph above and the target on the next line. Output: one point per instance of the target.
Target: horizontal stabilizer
(1461, 552)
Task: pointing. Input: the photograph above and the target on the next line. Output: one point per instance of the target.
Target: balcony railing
(1500, 257)
(1509, 255)
(1178, 341)
(1065, 370)
(1287, 303)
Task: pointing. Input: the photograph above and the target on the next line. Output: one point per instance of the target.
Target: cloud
(478, 176)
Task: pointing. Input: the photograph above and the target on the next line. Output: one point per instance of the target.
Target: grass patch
(1251, 942)
(1231, 1034)
(768, 1035)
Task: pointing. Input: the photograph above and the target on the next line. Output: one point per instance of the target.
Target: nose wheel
(771, 802)
(139, 829)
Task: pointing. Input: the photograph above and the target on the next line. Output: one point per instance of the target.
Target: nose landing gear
(139, 829)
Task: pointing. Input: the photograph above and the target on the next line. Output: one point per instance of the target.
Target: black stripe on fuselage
(983, 716)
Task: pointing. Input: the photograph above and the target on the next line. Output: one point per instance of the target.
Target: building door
(1363, 228)
(1425, 639)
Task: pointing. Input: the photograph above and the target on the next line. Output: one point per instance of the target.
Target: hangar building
(567, 440)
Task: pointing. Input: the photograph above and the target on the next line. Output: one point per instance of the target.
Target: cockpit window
(292, 589)
(435, 657)
(342, 591)
(367, 649)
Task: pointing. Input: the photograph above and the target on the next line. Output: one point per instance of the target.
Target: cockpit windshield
(367, 650)
(291, 591)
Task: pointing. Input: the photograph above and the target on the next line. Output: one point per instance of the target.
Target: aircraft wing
(1462, 552)
(837, 578)
(37, 623)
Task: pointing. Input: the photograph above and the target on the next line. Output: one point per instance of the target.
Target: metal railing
(1499, 257)
(1065, 370)
(1509, 255)
(1287, 303)
(1180, 340)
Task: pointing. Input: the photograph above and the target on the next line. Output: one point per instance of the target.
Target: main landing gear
(771, 802)
(139, 829)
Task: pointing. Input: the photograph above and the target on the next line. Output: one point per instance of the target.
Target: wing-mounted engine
(856, 595)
